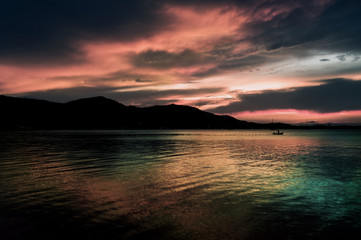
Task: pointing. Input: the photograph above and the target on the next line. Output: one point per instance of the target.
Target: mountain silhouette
(92, 113)
(104, 113)
(20, 113)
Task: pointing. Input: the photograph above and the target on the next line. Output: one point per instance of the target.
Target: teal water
(180, 184)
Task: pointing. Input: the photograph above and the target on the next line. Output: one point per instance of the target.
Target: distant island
(103, 113)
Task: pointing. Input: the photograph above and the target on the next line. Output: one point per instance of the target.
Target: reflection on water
(180, 184)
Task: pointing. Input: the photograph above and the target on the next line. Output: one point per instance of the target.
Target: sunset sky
(293, 61)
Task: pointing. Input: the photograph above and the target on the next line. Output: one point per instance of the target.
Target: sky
(293, 61)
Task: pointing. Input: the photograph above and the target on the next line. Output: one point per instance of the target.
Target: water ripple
(180, 184)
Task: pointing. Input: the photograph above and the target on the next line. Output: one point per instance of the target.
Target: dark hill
(95, 102)
(92, 113)
(103, 113)
(176, 116)
(27, 113)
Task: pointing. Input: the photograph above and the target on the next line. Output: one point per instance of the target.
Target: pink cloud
(299, 116)
(103, 58)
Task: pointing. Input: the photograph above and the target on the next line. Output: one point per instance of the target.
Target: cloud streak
(124, 95)
(165, 59)
(334, 95)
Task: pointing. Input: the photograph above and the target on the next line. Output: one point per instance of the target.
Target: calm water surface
(180, 184)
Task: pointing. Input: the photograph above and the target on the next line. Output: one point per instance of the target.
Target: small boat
(278, 133)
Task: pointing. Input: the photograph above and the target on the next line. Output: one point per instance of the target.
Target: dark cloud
(202, 103)
(332, 28)
(302, 27)
(348, 57)
(147, 97)
(48, 31)
(141, 97)
(324, 60)
(206, 72)
(246, 63)
(252, 6)
(142, 80)
(120, 76)
(116, 76)
(332, 96)
(342, 58)
(205, 102)
(356, 59)
(164, 59)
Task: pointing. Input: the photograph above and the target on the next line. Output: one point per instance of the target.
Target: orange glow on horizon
(294, 116)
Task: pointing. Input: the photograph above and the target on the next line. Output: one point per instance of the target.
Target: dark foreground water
(180, 185)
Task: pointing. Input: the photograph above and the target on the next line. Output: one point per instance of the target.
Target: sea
(180, 184)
